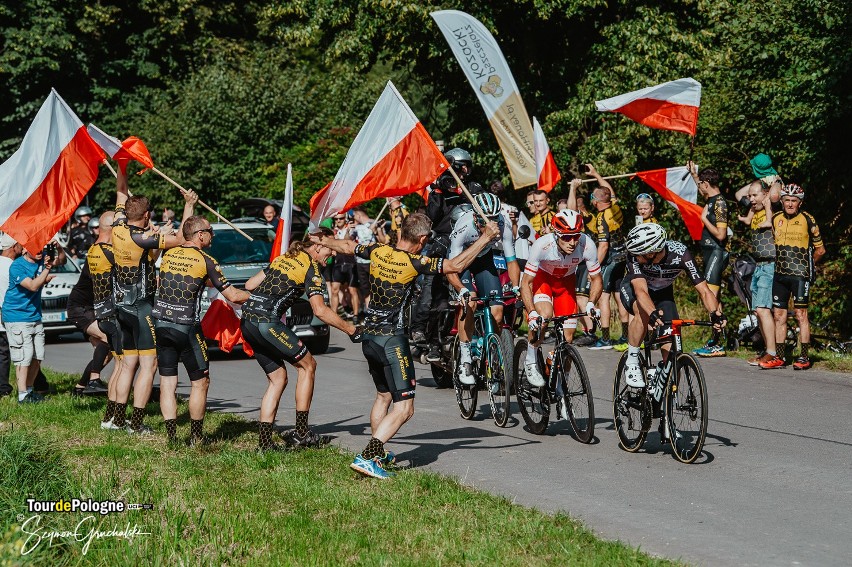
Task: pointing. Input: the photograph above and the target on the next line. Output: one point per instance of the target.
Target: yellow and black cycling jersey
(286, 279)
(795, 238)
(717, 214)
(610, 228)
(652, 219)
(133, 271)
(392, 275)
(99, 261)
(183, 276)
(590, 225)
(762, 239)
(542, 220)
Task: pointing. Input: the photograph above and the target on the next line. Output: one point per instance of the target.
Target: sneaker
(710, 351)
(32, 398)
(143, 431)
(434, 354)
(762, 357)
(775, 362)
(664, 433)
(198, 441)
(622, 340)
(418, 337)
(802, 363)
(370, 467)
(619, 346)
(97, 385)
(601, 344)
(110, 425)
(309, 440)
(633, 375)
(534, 377)
(389, 458)
(585, 340)
(466, 377)
(77, 392)
(561, 408)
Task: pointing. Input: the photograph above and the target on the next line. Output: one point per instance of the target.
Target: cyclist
(647, 289)
(483, 275)
(393, 270)
(549, 285)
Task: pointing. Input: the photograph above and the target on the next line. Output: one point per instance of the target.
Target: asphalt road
(770, 489)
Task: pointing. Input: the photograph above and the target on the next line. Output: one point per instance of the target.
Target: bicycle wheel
(686, 409)
(631, 409)
(442, 377)
(466, 396)
(533, 402)
(495, 380)
(577, 391)
(507, 347)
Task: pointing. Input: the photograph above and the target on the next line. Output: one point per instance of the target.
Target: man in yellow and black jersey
(544, 213)
(134, 249)
(184, 273)
(798, 245)
(273, 290)
(393, 270)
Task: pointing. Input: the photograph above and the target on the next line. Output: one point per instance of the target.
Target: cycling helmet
(458, 211)
(489, 203)
(94, 223)
(82, 212)
(457, 158)
(793, 190)
(567, 222)
(646, 238)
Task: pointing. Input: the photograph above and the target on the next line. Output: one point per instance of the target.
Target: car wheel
(318, 345)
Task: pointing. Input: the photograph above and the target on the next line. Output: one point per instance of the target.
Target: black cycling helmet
(460, 160)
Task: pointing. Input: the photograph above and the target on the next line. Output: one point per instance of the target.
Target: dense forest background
(226, 93)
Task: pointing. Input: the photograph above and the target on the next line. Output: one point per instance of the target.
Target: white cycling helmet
(489, 203)
(646, 238)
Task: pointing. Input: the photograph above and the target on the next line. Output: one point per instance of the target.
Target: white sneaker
(634, 376)
(465, 376)
(562, 408)
(534, 377)
(109, 425)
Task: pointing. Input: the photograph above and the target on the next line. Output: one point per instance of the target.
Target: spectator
(561, 205)
(9, 250)
(543, 213)
(365, 235)
(270, 215)
(645, 209)
(530, 202)
(766, 178)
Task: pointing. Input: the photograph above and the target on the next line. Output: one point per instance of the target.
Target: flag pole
(114, 174)
(476, 206)
(608, 177)
(202, 203)
(381, 212)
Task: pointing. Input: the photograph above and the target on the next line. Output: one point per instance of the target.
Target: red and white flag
(44, 181)
(677, 187)
(285, 224)
(669, 106)
(545, 165)
(391, 156)
(222, 324)
(130, 149)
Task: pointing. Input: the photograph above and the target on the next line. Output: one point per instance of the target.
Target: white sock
(531, 357)
(464, 350)
(632, 355)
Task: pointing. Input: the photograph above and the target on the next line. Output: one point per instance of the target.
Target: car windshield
(231, 247)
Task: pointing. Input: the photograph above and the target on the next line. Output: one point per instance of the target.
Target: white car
(54, 297)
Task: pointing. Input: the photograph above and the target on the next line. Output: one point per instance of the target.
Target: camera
(49, 251)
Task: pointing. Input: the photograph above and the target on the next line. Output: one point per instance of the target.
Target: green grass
(226, 504)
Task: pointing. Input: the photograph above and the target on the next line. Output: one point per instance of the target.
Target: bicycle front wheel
(686, 409)
(496, 381)
(466, 396)
(577, 392)
(533, 402)
(631, 408)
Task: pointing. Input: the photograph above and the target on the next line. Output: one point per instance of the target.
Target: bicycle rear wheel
(686, 409)
(631, 408)
(577, 392)
(496, 380)
(466, 396)
(533, 402)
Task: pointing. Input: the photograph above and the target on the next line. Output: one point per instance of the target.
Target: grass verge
(226, 504)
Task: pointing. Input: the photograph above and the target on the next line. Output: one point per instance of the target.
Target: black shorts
(344, 273)
(363, 275)
(181, 343)
(483, 277)
(612, 274)
(326, 271)
(137, 329)
(584, 284)
(715, 262)
(785, 286)
(110, 328)
(81, 317)
(663, 299)
(391, 367)
(273, 344)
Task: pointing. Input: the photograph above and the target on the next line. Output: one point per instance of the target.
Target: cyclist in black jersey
(134, 247)
(273, 291)
(185, 272)
(393, 270)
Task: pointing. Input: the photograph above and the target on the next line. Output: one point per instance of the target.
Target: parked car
(241, 259)
(251, 209)
(54, 298)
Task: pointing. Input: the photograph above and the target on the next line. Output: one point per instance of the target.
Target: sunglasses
(569, 237)
(642, 196)
(340, 219)
(207, 230)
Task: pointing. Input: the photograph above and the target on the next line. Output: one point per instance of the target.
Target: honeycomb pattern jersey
(285, 280)
(610, 228)
(133, 271)
(99, 261)
(183, 276)
(590, 224)
(795, 238)
(717, 214)
(392, 275)
(762, 239)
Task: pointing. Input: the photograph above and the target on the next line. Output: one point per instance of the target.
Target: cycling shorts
(561, 292)
(584, 284)
(391, 366)
(715, 262)
(785, 286)
(344, 273)
(110, 328)
(362, 278)
(612, 274)
(181, 343)
(483, 277)
(273, 344)
(137, 329)
(663, 299)
(81, 317)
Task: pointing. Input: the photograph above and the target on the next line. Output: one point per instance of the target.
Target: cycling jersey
(652, 219)
(610, 228)
(133, 273)
(663, 274)
(795, 238)
(542, 220)
(286, 279)
(762, 239)
(391, 280)
(99, 262)
(717, 214)
(466, 233)
(183, 275)
(546, 256)
(590, 224)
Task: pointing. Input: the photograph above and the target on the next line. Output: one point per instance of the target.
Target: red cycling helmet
(567, 222)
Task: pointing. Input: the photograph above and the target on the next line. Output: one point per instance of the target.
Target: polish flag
(131, 148)
(669, 106)
(677, 187)
(391, 156)
(222, 324)
(285, 224)
(44, 181)
(545, 165)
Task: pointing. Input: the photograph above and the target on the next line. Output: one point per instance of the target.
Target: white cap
(6, 241)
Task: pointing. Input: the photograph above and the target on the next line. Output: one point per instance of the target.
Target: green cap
(761, 165)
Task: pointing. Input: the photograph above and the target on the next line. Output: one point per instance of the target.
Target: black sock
(119, 414)
(302, 423)
(605, 333)
(781, 349)
(110, 410)
(84, 378)
(171, 429)
(196, 428)
(805, 350)
(624, 330)
(375, 448)
(99, 358)
(136, 418)
(265, 440)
